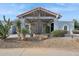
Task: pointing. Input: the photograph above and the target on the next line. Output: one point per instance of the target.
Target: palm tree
(4, 28)
(18, 28)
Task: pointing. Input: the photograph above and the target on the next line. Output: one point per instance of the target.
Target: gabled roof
(39, 8)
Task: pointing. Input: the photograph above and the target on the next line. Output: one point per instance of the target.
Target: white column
(29, 28)
(23, 23)
(49, 24)
(50, 27)
(42, 28)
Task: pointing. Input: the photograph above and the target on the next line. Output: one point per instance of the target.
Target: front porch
(39, 26)
(39, 20)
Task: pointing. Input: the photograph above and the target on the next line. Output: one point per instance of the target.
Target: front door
(36, 28)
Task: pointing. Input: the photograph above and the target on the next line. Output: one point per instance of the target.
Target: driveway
(38, 52)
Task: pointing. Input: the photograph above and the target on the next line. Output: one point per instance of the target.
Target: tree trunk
(19, 36)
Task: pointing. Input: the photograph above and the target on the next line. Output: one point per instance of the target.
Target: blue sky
(69, 11)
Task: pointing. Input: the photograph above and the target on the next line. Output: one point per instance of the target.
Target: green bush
(24, 31)
(76, 31)
(47, 29)
(59, 33)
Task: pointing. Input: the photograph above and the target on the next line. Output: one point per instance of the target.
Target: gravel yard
(61, 46)
(58, 42)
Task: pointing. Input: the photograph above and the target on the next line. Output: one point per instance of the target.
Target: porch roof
(40, 8)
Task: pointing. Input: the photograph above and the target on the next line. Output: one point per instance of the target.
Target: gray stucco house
(64, 25)
(40, 19)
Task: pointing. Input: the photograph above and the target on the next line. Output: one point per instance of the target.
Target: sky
(69, 11)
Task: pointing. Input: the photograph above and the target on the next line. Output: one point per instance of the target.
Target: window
(65, 27)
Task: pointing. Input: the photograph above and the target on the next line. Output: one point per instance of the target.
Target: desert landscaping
(55, 42)
(38, 32)
(52, 46)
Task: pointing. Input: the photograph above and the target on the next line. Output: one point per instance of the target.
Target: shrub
(24, 32)
(59, 33)
(76, 31)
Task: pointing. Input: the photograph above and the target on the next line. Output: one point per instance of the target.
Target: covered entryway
(37, 27)
(40, 20)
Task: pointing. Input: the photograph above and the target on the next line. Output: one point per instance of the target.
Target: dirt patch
(49, 43)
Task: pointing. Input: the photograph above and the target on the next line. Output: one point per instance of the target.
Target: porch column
(29, 28)
(23, 23)
(49, 24)
(50, 27)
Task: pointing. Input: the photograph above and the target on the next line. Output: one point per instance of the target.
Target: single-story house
(42, 21)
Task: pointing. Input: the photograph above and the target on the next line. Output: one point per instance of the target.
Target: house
(64, 25)
(42, 21)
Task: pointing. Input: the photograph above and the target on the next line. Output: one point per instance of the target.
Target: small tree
(24, 32)
(4, 28)
(18, 28)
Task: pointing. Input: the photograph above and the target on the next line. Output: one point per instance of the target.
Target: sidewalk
(38, 52)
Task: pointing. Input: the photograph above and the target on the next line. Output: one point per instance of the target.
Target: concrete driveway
(38, 52)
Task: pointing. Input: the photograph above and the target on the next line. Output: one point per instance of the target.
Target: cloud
(61, 4)
(66, 7)
(14, 9)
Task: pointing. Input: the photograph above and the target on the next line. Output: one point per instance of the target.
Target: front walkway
(16, 36)
(38, 52)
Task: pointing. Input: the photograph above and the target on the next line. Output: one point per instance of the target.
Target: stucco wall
(59, 25)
